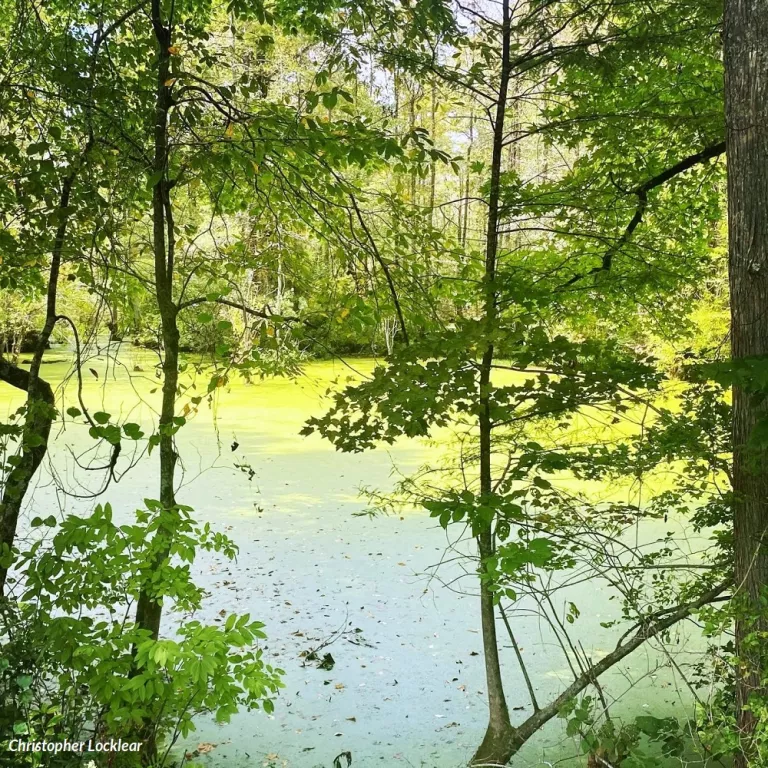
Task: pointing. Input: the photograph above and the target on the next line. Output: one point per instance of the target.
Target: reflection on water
(408, 686)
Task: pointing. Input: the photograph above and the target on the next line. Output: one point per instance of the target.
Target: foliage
(75, 664)
(645, 741)
(524, 212)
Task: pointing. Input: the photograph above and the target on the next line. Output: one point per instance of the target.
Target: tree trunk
(433, 169)
(40, 410)
(746, 106)
(498, 743)
(34, 445)
(465, 223)
(149, 606)
(411, 126)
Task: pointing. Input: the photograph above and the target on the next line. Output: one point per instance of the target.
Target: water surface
(408, 684)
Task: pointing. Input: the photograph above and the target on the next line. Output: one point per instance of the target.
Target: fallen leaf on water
(339, 686)
(205, 747)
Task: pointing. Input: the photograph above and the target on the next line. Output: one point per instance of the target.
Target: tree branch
(641, 192)
(385, 268)
(242, 307)
(651, 629)
(521, 663)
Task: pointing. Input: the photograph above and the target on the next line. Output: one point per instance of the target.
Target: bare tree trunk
(396, 88)
(433, 169)
(411, 126)
(34, 445)
(469, 176)
(746, 106)
(390, 328)
(148, 611)
(497, 745)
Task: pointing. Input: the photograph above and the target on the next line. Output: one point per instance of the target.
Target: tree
(611, 227)
(51, 204)
(240, 181)
(227, 147)
(746, 110)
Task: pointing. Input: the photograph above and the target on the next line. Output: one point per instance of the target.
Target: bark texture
(746, 103)
(149, 610)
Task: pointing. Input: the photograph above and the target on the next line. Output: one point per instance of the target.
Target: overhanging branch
(641, 192)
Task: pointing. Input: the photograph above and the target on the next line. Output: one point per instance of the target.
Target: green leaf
(154, 178)
(133, 431)
(329, 99)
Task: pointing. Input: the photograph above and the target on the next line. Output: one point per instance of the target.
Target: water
(408, 683)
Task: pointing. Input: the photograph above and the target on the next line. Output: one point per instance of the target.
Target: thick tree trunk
(498, 743)
(746, 104)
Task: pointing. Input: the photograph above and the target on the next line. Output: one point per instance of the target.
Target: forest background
(518, 208)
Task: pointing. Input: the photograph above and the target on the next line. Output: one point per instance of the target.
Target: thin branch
(385, 268)
(523, 668)
(649, 630)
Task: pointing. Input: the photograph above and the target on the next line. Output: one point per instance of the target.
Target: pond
(408, 685)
